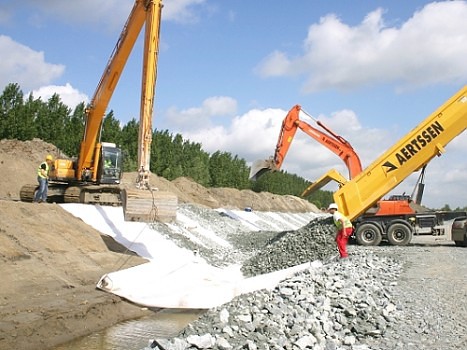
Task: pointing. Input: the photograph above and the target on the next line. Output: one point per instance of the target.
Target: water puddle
(135, 334)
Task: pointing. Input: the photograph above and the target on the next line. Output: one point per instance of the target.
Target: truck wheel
(399, 234)
(462, 243)
(368, 234)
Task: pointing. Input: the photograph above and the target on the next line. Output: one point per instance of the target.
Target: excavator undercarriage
(141, 205)
(86, 194)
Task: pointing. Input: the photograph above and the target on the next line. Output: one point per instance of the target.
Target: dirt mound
(20, 159)
(189, 191)
(18, 163)
(49, 263)
(50, 260)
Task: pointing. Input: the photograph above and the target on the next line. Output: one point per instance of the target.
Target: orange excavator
(401, 206)
(291, 123)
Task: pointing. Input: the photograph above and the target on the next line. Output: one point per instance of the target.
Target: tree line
(172, 156)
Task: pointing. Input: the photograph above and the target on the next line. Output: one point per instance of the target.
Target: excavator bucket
(260, 167)
(149, 205)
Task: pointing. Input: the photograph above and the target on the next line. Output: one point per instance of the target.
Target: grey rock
(307, 341)
(201, 342)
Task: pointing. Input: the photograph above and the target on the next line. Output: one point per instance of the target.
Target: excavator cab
(111, 166)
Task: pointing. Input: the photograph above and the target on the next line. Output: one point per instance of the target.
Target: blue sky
(229, 71)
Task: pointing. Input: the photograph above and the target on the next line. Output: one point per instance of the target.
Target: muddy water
(135, 334)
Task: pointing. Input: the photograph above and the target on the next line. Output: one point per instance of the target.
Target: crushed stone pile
(221, 239)
(336, 306)
(315, 241)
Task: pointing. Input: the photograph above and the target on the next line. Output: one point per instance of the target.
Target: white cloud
(68, 94)
(110, 13)
(201, 117)
(24, 66)
(429, 48)
(181, 10)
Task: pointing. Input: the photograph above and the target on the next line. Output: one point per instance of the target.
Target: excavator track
(99, 194)
(55, 192)
(87, 194)
(27, 192)
(73, 194)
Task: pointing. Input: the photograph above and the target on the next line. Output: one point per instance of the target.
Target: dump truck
(360, 196)
(459, 231)
(95, 176)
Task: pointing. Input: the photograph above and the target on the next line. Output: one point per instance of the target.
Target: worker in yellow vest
(344, 229)
(43, 179)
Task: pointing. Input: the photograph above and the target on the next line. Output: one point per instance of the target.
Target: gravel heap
(336, 306)
(234, 243)
(314, 241)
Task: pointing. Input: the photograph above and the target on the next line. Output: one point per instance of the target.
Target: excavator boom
(148, 83)
(291, 123)
(90, 147)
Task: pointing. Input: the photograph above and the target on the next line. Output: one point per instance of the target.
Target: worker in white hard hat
(344, 229)
(43, 179)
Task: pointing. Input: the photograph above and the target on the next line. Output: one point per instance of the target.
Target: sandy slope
(50, 261)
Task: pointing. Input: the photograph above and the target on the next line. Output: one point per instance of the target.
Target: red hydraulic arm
(329, 139)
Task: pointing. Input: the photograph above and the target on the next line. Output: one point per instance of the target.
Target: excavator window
(112, 162)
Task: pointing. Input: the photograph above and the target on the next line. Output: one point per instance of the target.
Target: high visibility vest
(337, 216)
(39, 170)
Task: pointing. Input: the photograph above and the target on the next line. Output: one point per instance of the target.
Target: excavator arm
(335, 143)
(144, 11)
(149, 76)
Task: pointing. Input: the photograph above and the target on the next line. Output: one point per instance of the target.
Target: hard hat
(49, 157)
(332, 206)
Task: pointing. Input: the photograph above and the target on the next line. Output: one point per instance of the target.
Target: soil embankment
(51, 261)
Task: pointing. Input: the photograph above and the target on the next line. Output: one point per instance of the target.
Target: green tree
(196, 163)
(129, 145)
(27, 128)
(51, 120)
(74, 129)
(11, 105)
(160, 145)
(220, 169)
(111, 130)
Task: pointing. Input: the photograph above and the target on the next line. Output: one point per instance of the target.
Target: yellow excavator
(95, 176)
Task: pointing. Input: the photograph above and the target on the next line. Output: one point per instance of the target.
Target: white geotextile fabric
(192, 285)
(173, 277)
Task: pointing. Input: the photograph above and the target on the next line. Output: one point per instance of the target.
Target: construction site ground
(50, 260)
